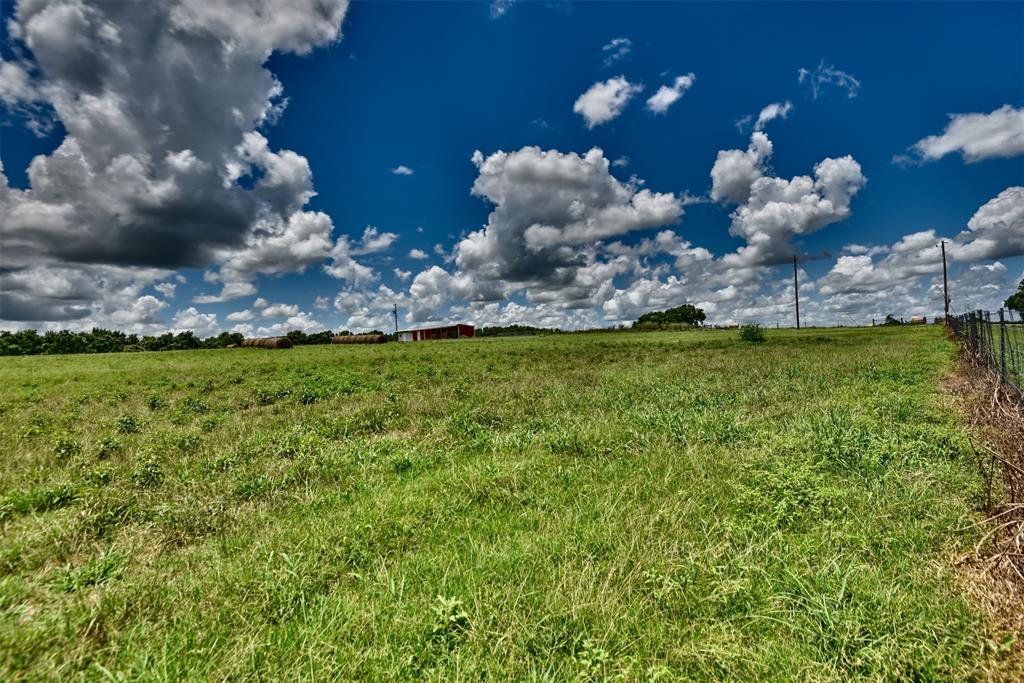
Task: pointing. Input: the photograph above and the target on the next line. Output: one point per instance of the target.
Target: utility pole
(945, 282)
(796, 293)
(395, 312)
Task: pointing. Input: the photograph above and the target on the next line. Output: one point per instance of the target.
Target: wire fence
(994, 341)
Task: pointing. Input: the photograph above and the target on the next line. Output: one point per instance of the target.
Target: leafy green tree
(687, 314)
(1016, 300)
(222, 340)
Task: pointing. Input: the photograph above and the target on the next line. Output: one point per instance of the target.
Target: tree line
(99, 340)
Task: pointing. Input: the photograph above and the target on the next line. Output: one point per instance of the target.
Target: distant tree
(297, 337)
(514, 331)
(892, 320)
(324, 337)
(64, 341)
(222, 340)
(687, 314)
(1016, 300)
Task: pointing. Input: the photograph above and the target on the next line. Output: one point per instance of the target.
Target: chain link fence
(994, 341)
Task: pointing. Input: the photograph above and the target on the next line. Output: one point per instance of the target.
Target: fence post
(1002, 347)
(986, 344)
(989, 341)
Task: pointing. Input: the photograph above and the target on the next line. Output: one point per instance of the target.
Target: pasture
(624, 506)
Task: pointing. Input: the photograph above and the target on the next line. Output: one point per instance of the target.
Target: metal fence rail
(994, 341)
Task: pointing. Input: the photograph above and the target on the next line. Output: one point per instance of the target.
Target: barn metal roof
(435, 327)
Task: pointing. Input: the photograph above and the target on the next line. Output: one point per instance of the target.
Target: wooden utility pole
(796, 293)
(395, 312)
(945, 282)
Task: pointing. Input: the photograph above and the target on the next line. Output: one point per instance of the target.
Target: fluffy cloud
(279, 311)
(773, 210)
(995, 231)
(344, 267)
(999, 134)
(666, 96)
(537, 315)
(773, 111)
(912, 256)
(736, 170)
(428, 293)
(547, 203)
(298, 321)
(418, 254)
(500, 8)
(143, 180)
(980, 286)
(191, 320)
(369, 309)
(605, 100)
(229, 291)
(374, 241)
(617, 50)
(825, 76)
(166, 288)
(74, 296)
(402, 170)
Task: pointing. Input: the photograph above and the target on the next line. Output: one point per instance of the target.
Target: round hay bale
(269, 343)
(359, 339)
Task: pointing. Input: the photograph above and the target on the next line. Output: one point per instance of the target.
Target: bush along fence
(994, 341)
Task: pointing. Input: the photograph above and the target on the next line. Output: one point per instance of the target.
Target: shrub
(66, 448)
(156, 402)
(99, 476)
(128, 424)
(193, 405)
(149, 475)
(752, 334)
(450, 618)
(108, 447)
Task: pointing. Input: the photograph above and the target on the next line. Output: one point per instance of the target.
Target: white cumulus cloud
(667, 95)
(999, 134)
(605, 100)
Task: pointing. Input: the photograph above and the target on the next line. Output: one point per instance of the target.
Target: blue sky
(378, 86)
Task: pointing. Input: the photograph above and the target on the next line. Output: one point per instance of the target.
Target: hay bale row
(269, 343)
(359, 339)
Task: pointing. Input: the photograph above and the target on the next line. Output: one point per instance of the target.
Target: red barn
(442, 332)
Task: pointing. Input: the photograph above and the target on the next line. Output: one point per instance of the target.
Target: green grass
(642, 506)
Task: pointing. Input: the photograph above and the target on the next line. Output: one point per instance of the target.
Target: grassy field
(657, 506)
